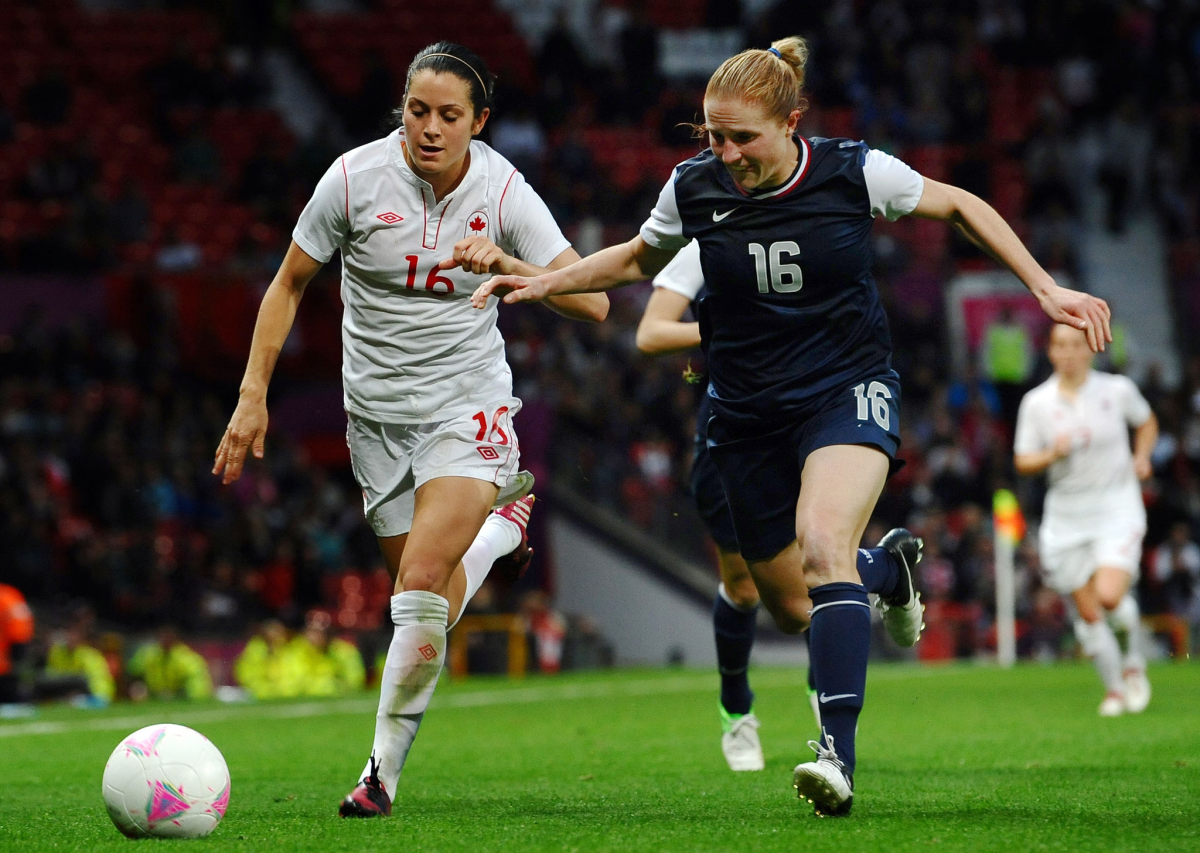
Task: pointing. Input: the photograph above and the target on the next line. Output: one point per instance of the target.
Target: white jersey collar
(396, 154)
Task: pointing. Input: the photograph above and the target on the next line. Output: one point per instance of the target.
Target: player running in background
(805, 403)
(735, 607)
(1075, 427)
(421, 217)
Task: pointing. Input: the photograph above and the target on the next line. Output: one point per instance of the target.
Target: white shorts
(391, 461)
(1070, 555)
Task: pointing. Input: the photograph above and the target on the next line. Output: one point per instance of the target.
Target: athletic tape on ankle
(418, 607)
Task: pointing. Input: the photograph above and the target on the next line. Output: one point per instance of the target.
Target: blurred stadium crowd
(149, 183)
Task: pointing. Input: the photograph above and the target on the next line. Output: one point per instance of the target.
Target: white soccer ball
(166, 781)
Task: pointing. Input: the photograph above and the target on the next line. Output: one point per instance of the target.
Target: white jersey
(683, 274)
(413, 348)
(1096, 480)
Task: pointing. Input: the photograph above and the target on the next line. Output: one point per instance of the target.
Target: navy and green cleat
(739, 740)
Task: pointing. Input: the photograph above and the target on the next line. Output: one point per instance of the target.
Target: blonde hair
(773, 78)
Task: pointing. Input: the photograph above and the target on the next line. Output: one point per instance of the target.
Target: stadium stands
(136, 149)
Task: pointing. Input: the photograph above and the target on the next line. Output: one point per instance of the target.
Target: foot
(513, 565)
(1113, 705)
(1137, 690)
(740, 743)
(519, 485)
(826, 783)
(902, 610)
(368, 799)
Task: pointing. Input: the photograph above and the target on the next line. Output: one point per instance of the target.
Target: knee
(424, 576)
(791, 615)
(742, 592)
(823, 558)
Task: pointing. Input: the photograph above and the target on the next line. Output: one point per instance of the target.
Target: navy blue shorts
(707, 490)
(760, 474)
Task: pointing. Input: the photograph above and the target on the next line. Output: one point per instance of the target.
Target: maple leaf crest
(477, 224)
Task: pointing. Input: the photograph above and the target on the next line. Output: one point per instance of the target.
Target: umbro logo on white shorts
(488, 453)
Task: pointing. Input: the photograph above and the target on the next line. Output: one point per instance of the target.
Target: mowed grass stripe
(452, 698)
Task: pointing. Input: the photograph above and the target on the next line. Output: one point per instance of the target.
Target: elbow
(600, 311)
(644, 341)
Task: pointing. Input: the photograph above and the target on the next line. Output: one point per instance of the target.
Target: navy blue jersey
(790, 313)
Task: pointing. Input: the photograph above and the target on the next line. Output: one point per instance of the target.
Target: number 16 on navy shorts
(761, 473)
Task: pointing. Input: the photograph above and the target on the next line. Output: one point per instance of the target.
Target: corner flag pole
(1009, 527)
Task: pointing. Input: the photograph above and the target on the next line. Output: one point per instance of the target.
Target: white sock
(414, 661)
(1128, 618)
(1100, 644)
(497, 537)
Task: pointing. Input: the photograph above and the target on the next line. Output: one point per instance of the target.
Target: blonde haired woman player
(805, 403)
(1075, 427)
(886, 569)
(421, 217)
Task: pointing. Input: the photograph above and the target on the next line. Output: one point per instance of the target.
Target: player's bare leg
(839, 488)
(448, 513)
(735, 613)
(1099, 642)
(1111, 587)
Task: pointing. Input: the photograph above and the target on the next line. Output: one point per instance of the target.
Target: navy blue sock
(878, 571)
(812, 682)
(734, 632)
(839, 640)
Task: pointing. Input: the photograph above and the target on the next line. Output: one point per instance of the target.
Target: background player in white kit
(422, 217)
(1075, 426)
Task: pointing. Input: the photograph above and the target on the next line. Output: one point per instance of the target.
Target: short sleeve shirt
(413, 348)
(1098, 473)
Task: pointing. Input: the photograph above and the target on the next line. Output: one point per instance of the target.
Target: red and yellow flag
(1007, 517)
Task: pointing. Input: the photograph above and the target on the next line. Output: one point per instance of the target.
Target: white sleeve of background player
(1133, 405)
(528, 226)
(683, 274)
(1028, 437)
(664, 228)
(893, 186)
(325, 222)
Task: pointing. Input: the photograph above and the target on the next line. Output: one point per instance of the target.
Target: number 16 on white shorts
(391, 461)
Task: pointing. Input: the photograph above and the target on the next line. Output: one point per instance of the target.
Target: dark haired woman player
(805, 403)
(422, 217)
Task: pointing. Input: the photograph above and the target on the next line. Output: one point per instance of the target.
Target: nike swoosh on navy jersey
(718, 218)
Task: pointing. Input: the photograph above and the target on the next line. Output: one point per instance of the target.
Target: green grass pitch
(949, 758)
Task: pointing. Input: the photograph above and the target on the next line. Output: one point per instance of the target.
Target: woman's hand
(1079, 311)
(478, 255)
(247, 430)
(513, 288)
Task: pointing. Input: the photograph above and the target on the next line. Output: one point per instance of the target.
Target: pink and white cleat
(512, 565)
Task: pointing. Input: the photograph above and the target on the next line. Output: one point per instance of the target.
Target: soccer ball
(166, 781)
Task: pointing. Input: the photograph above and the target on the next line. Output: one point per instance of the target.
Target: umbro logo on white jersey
(390, 218)
(718, 217)
(825, 698)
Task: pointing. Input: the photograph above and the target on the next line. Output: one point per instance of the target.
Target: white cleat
(1137, 691)
(1113, 705)
(519, 485)
(825, 782)
(903, 613)
(740, 743)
